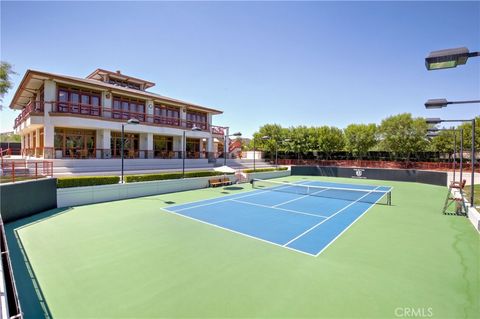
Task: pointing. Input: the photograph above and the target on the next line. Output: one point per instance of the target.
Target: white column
(50, 96)
(48, 141)
(149, 108)
(183, 115)
(37, 141)
(146, 145)
(178, 145)
(103, 144)
(107, 104)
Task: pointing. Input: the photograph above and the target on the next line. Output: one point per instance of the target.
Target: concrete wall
(103, 193)
(268, 175)
(402, 175)
(22, 199)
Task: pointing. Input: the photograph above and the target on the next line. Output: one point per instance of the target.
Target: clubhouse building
(68, 117)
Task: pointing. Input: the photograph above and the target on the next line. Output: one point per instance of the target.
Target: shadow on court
(32, 302)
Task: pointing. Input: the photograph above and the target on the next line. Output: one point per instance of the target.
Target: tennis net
(373, 196)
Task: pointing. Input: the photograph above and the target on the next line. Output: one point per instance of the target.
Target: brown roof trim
(120, 75)
(106, 86)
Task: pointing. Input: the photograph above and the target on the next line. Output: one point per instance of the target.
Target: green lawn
(130, 259)
(477, 194)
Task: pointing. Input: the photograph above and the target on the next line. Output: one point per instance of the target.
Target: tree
(275, 134)
(298, 140)
(5, 82)
(467, 134)
(360, 138)
(403, 135)
(444, 142)
(329, 139)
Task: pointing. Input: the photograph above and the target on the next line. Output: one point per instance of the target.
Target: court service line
(315, 226)
(250, 193)
(295, 199)
(276, 208)
(237, 232)
(346, 228)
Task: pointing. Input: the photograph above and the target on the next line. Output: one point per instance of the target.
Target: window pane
(85, 99)
(95, 100)
(74, 98)
(62, 96)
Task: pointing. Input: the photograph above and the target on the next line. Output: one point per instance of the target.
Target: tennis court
(133, 259)
(304, 217)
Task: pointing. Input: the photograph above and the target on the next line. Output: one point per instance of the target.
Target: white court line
(251, 193)
(315, 226)
(276, 208)
(237, 232)
(295, 199)
(356, 219)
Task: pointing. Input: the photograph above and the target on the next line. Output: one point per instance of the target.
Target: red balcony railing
(77, 108)
(34, 107)
(104, 112)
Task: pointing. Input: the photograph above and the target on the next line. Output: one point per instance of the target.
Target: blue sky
(310, 63)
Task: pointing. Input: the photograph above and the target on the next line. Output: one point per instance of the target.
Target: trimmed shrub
(164, 176)
(79, 181)
(261, 170)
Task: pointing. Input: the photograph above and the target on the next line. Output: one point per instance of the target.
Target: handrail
(31, 107)
(14, 307)
(110, 112)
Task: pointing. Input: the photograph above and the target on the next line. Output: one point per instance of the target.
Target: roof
(98, 73)
(32, 81)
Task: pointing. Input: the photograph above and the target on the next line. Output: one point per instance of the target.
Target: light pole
(433, 133)
(265, 137)
(184, 150)
(448, 58)
(439, 103)
(238, 134)
(436, 121)
(131, 122)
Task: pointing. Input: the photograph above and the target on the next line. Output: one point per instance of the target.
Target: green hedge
(261, 170)
(78, 181)
(163, 176)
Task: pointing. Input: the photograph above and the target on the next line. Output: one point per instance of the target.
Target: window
(125, 108)
(166, 115)
(197, 118)
(72, 100)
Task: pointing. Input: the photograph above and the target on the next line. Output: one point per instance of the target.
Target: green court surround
(130, 259)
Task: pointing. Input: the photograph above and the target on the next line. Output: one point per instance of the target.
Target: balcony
(117, 114)
(96, 111)
(32, 108)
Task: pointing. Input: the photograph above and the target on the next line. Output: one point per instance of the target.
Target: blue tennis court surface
(304, 217)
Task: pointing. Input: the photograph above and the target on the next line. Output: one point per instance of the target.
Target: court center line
(295, 199)
(331, 216)
(237, 232)
(276, 208)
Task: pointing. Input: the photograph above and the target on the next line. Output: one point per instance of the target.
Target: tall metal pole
(454, 154)
(225, 149)
(276, 154)
(461, 155)
(254, 154)
(184, 150)
(472, 186)
(121, 148)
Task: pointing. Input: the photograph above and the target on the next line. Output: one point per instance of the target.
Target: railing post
(13, 172)
(36, 170)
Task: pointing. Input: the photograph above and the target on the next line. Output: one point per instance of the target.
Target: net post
(389, 198)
